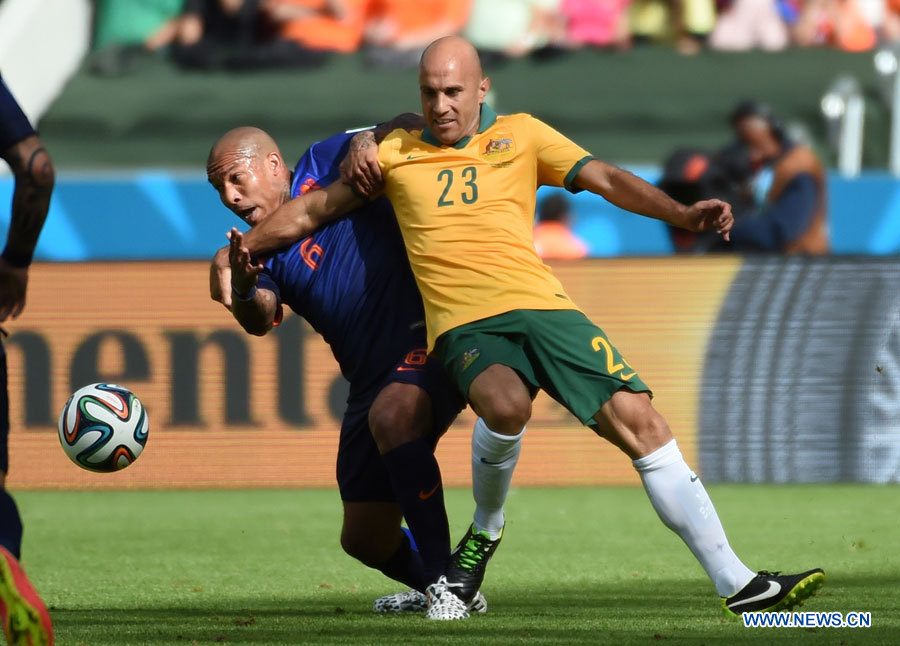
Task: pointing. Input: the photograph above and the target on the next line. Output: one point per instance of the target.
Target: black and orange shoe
(26, 621)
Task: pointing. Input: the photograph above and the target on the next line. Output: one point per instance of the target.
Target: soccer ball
(103, 427)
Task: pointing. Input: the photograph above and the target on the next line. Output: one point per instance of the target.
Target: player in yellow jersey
(463, 190)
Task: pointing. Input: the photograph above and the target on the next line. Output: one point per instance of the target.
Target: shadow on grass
(628, 612)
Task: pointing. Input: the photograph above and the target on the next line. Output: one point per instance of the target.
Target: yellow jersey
(466, 213)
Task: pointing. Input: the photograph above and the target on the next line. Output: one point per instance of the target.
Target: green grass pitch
(585, 565)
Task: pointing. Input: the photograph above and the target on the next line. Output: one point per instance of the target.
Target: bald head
(247, 141)
(246, 168)
(453, 88)
(452, 51)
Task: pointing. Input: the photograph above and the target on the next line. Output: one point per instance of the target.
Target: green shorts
(560, 351)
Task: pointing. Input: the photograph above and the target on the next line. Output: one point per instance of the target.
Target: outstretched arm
(631, 193)
(254, 309)
(292, 221)
(299, 217)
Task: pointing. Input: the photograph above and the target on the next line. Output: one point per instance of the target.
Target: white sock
(494, 458)
(684, 506)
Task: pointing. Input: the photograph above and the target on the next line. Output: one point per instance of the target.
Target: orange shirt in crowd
(556, 240)
(414, 20)
(850, 30)
(324, 31)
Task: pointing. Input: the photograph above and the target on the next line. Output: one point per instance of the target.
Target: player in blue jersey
(25, 618)
(352, 282)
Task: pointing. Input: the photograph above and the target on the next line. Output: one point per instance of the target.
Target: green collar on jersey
(488, 117)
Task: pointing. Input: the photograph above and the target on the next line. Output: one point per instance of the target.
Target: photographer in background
(793, 216)
(692, 174)
(763, 160)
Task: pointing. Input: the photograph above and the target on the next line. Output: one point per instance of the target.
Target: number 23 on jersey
(464, 187)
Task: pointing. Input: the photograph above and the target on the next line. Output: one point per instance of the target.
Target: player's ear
(275, 163)
(483, 88)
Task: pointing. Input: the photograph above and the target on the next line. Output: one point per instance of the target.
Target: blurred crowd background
(241, 34)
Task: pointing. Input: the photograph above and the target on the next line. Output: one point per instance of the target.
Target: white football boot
(443, 604)
(409, 601)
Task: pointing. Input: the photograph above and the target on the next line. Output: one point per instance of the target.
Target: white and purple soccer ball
(103, 427)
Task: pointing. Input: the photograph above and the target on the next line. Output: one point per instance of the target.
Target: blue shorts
(361, 474)
(14, 126)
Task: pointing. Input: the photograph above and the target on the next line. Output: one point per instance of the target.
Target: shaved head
(246, 141)
(452, 51)
(245, 166)
(453, 88)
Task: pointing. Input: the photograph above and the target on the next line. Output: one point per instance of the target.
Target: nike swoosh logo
(425, 496)
(406, 368)
(414, 157)
(694, 477)
(493, 464)
(774, 589)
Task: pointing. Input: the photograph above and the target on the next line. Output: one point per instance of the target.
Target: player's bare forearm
(365, 142)
(630, 192)
(34, 177)
(299, 218)
(360, 168)
(220, 278)
(366, 139)
(256, 315)
(13, 289)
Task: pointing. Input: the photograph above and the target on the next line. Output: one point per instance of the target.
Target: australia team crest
(499, 147)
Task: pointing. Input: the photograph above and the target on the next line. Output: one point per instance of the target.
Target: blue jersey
(350, 279)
